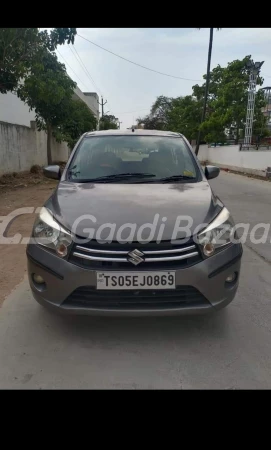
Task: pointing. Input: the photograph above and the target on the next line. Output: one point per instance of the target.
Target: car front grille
(116, 256)
(181, 297)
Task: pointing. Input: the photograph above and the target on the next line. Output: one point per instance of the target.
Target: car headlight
(218, 234)
(47, 232)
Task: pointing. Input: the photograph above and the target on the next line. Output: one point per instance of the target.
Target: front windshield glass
(132, 158)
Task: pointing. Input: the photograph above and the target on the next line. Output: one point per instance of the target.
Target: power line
(87, 70)
(81, 64)
(71, 69)
(136, 64)
(79, 59)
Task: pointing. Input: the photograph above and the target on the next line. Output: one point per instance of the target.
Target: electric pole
(206, 88)
(119, 124)
(102, 104)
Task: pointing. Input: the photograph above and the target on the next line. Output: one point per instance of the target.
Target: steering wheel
(159, 169)
(107, 168)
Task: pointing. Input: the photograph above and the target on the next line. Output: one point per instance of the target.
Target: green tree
(79, 120)
(48, 90)
(161, 109)
(215, 79)
(184, 116)
(108, 122)
(150, 123)
(20, 47)
(227, 101)
(159, 114)
(213, 129)
(225, 109)
(181, 114)
(61, 36)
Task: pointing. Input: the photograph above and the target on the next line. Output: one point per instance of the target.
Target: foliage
(227, 101)
(184, 116)
(61, 36)
(108, 122)
(28, 54)
(48, 90)
(79, 121)
(159, 115)
(181, 114)
(20, 47)
(150, 123)
(35, 169)
(161, 109)
(225, 112)
(213, 129)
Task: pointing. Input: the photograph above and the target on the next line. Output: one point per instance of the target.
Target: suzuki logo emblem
(135, 257)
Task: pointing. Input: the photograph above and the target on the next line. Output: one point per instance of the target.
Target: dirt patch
(21, 180)
(248, 175)
(25, 179)
(23, 190)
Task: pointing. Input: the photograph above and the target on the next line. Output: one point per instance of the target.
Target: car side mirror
(211, 172)
(52, 172)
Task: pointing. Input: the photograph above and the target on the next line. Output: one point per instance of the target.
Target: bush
(35, 169)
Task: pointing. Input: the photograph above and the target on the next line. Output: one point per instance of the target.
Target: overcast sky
(130, 90)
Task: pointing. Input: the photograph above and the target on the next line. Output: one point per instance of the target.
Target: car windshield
(133, 159)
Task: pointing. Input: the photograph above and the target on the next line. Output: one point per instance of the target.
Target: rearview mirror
(52, 172)
(211, 172)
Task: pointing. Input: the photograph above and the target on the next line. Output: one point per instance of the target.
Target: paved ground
(227, 350)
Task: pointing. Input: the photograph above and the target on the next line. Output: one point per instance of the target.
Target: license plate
(135, 280)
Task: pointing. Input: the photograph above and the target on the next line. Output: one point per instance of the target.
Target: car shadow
(143, 330)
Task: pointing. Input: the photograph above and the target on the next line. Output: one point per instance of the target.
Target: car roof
(138, 132)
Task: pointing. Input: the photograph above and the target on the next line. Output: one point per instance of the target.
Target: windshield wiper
(176, 178)
(118, 176)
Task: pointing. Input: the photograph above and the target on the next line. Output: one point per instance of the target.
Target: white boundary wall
(21, 147)
(230, 157)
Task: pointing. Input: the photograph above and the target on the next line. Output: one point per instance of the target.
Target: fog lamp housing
(231, 278)
(38, 278)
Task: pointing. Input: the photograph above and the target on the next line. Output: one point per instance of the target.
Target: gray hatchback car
(133, 228)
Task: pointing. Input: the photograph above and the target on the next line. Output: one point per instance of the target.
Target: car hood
(139, 204)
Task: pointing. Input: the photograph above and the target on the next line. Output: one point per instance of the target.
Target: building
(21, 144)
(90, 98)
(267, 109)
(15, 111)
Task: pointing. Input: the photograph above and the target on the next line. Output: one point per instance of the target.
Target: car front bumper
(62, 278)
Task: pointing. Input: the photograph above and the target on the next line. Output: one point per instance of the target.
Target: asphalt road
(226, 350)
